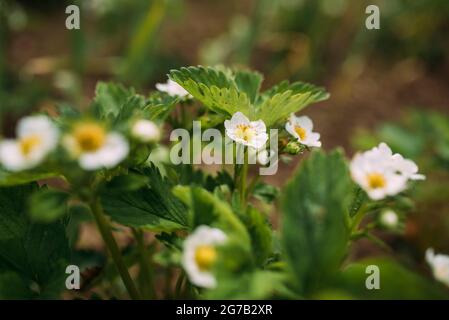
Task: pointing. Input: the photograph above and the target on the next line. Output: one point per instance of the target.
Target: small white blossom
(249, 133)
(94, 147)
(439, 264)
(374, 174)
(381, 173)
(37, 136)
(301, 128)
(173, 89)
(389, 219)
(200, 254)
(146, 131)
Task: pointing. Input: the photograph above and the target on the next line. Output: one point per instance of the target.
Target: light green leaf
(315, 204)
(279, 102)
(216, 89)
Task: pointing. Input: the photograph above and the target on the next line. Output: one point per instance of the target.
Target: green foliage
(152, 207)
(207, 209)
(261, 235)
(315, 205)
(396, 282)
(29, 252)
(48, 205)
(16, 178)
(227, 92)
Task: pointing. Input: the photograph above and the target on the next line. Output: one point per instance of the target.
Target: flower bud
(146, 131)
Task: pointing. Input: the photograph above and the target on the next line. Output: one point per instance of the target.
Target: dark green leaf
(38, 253)
(48, 205)
(153, 207)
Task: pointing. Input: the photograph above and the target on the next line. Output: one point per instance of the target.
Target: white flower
(200, 254)
(381, 173)
(146, 131)
(173, 89)
(370, 171)
(94, 147)
(249, 133)
(301, 129)
(37, 136)
(389, 219)
(406, 167)
(439, 264)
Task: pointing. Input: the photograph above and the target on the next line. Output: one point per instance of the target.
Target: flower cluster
(381, 173)
(90, 143)
(253, 134)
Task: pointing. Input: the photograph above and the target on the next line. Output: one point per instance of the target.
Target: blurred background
(387, 85)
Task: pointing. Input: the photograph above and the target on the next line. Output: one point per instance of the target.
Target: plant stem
(105, 230)
(145, 265)
(243, 177)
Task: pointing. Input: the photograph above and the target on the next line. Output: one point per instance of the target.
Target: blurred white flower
(37, 136)
(389, 219)
(381, 173)
(373, 172)
(200, 254)
(146, 131)
(439, 264)
(94, 147)
(249, 133)
(173, 89)
(301, 128)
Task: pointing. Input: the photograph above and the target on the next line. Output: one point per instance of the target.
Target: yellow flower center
(205, 257)
(27, 144)
(301, 132)
(376, 181)
(245, 132)
(89, 136)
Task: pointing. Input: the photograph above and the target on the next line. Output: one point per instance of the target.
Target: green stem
(106, 233)
(357, 219)
(243, 177)
(145, 265)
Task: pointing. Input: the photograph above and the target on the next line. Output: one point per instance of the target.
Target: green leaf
(279, 102)
(225, 92)
(152, 207)
(18, 178)
(265, 192)
(260, 233)
(159, 106)
(125, 183)
(14, 287)
(38, 253)
(315, 204)
(207, 209)
(48, 205)
(396, 282)
(109, 99)
(216, 89)
(249, 285)
(249, 82)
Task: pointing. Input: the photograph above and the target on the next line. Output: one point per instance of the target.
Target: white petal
(239, 118)
(10, 156)
(114, 151)
(304, 122)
